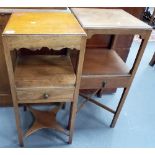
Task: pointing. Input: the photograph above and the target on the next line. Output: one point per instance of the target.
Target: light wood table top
(91, 18)
(55, 23)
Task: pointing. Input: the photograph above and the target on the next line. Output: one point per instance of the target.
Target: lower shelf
(45, 119)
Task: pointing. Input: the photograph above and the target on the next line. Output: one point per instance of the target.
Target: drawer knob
(45, 96)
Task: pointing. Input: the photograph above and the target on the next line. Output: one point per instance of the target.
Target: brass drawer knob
(45, 96)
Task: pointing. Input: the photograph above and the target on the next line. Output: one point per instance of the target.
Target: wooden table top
(91, 18)
(54, 23)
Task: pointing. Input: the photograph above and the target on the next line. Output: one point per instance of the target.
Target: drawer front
(4, 19)
(43, 95)
(110, 82)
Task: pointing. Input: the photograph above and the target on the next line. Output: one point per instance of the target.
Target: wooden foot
(70, 141)
(112, 125)
(100, 92)
(25, 108)
(21, 145)
(64, 105)
(45, 119)
(119, 107)
(152, 62)
(73, 110)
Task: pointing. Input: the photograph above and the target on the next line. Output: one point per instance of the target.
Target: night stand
(104, 68)
(43, 78)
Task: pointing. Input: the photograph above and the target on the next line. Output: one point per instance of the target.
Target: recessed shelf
(44, 71)
(104, 62)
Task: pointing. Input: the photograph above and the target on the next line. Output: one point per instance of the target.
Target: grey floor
(135, 127)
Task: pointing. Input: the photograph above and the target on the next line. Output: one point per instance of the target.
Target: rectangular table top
(52, 23)
(91, 18)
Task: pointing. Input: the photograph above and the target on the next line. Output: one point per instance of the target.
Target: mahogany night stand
(103, 68)
(43, 78)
